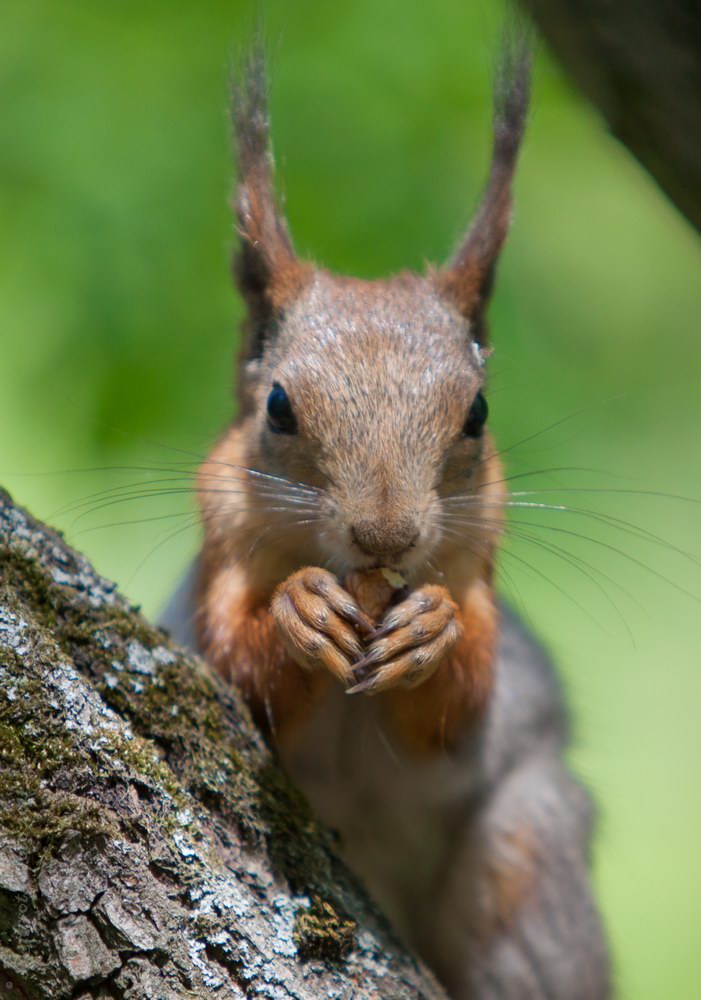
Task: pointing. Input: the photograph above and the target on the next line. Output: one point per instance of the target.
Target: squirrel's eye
(281, 417)
(477, 417)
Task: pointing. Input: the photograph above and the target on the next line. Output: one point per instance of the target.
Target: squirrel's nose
(389, 539)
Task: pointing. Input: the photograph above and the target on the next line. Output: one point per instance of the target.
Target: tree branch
(638, 62)
(150, 847)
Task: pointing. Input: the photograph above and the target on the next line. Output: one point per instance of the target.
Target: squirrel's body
(478, 857)
(427, 731)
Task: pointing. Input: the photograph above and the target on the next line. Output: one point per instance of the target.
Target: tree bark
(639, 62)
(150, 846)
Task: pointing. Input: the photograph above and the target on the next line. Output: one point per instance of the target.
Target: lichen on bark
(150, 845)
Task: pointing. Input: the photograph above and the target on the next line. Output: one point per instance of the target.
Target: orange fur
(239, 637)
(429, 719)
(238, 634)
(381, 377)
(361, 446)
(510, 878)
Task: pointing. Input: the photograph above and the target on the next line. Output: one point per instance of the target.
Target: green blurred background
(118, 330)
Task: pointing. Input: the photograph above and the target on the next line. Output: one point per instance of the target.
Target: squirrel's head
(369, 394)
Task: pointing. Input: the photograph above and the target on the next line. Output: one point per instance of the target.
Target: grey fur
(419, 833)
(477, 853)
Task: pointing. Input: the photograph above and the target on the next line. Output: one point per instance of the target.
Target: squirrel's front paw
(411, 642)
(319, 622)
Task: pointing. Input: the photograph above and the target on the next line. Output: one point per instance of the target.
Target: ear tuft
(467, 281)
(266, 267)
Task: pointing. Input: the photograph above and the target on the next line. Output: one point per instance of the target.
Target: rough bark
(150, 847)
(638, 61)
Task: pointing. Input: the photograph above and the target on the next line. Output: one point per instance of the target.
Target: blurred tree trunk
(150, 848)
(639, 61)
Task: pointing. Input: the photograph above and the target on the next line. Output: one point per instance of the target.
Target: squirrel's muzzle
(388, 539)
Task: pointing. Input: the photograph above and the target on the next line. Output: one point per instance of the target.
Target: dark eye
(477, 417)
(280, 415)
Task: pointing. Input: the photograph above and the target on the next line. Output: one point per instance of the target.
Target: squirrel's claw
(319, 622)
(364, 685)
(360, 620)
(415, 636)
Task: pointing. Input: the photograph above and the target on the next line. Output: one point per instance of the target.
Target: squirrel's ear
(467, 280)
(266, 267)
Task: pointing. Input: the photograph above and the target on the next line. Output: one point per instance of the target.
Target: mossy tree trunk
(638, 62)
(150, 847)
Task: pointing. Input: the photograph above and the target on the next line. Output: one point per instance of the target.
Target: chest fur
(396, 816)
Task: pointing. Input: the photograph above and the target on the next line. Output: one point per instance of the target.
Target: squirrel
(351, 519)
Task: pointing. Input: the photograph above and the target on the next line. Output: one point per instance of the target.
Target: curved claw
(364, 685)
(319, 622)
(415, 637)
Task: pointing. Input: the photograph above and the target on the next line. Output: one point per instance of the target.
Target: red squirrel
(351, 519)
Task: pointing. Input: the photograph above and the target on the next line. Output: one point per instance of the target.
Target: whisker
(626, 527)
(604, 491)
(432, 565)
(177, 491)
(241, 468)
(202, 517)
(271, 527)
(262, 489)
(554, 470)
(486, 547)
(606, 545)
(530, 473)
(544, 430)
(512, 555)
(508, 552)
(578, 561)
(509, 581)
(174, 534)
(195, 518)
(655, 494)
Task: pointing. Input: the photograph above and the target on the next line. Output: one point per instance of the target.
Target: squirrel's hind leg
(514, 918)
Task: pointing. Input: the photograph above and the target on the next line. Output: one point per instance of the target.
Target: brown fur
(430, 719)
(469, 278)
(380, 377)
(266, 267)
(510, 878)
(240, 639)
(435, 757)
(237, 584)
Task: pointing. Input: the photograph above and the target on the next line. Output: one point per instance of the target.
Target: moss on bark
(150, 846)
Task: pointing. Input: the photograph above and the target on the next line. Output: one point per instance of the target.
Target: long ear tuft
(266, 267)
(468, 279)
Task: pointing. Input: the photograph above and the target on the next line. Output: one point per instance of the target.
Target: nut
(374, 589)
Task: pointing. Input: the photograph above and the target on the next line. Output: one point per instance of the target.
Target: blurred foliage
(118, 330)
